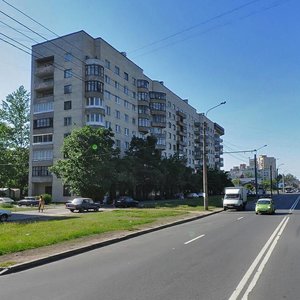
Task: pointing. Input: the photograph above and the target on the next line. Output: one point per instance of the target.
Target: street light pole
(277, 181)
(205, 184)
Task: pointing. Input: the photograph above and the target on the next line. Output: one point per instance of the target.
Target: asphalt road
(230, 255)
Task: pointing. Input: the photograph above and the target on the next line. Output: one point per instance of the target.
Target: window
(133, 95)
(126, 104)
(133, 81)
(67, 105)
(108, 110)
(126, 131)
(143, 96)
(141, 83)
(42, 138)
(144, 122)
(95, 118)
(68, 73)
(117, 70)
(66, 190)
(127, 145)
(68, 89)
(107, 95)
(94, 102)
(118, 114)
(42, 107)
(143, 109)
(126, 118)
(118, 128)
(94, 70)
(68, 56)
(107, 64)
(43, 123)
(40, 171)
(107, 79)
(66, 134)
(117, 99)
(93, 86)
(133, 121)
(117, 85)
(158, 106)
(126, 76)
(118, 143)
(157, 95)
(67, 121)
(133, 107)
(39, 155)
(107, 124)
(159, 119)
(125, 90)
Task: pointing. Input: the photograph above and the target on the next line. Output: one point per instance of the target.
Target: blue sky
(240, 51)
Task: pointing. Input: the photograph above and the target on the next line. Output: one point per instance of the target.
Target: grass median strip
(23, 236)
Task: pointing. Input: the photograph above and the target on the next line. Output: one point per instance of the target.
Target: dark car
(82, 204)
(29, 201)
(126, 201)
(4, 215)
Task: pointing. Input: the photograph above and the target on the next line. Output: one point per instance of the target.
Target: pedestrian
(41, 203)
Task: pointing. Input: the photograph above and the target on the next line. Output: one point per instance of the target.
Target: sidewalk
(31, 258)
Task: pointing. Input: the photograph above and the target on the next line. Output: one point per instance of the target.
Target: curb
(66, 254)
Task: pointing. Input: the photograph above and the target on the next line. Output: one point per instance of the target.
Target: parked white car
(4, 215)
(6, 200)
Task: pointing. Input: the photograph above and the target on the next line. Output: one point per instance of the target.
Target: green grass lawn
(29, 235)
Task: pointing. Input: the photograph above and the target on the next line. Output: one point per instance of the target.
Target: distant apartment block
(78, 80)
(266, 169)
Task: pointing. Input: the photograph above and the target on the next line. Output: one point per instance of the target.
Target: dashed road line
(196, 238)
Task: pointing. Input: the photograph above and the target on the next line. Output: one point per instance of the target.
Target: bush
(47, 198)
(7, 205)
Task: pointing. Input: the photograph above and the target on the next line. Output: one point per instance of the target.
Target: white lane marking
(264, 262)
(250, 271)
(196, 238)
(240, 218)
(294, 205)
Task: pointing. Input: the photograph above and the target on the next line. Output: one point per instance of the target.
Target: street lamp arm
(224, 102)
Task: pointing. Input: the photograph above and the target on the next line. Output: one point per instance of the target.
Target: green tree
(15, 113)
(14, 139)
(89, 164)
(142, 172)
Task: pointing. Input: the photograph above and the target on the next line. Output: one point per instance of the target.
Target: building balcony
(181, 114)
(181, 132)
(44, 71)
(95, 109)
(158, 96)
(95, 123)
(159, 124)
(158, 112)
(44, 85)
(182, 143)
(144, 129)
(142, 85)
(160, 147)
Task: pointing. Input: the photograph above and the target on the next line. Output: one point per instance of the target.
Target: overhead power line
(228, 12)
(273, 5)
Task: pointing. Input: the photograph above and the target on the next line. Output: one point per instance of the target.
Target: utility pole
(205, 184)
(271, 179)
(255, 163)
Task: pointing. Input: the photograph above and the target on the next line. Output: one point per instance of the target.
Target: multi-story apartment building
(78, 80)
(266, 169)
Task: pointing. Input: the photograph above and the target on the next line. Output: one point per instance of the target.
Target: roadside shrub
(47, 198)
(7, 205)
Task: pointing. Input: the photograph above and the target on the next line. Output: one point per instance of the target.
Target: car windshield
(232, 196)
(263, 202)
(77, 201)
